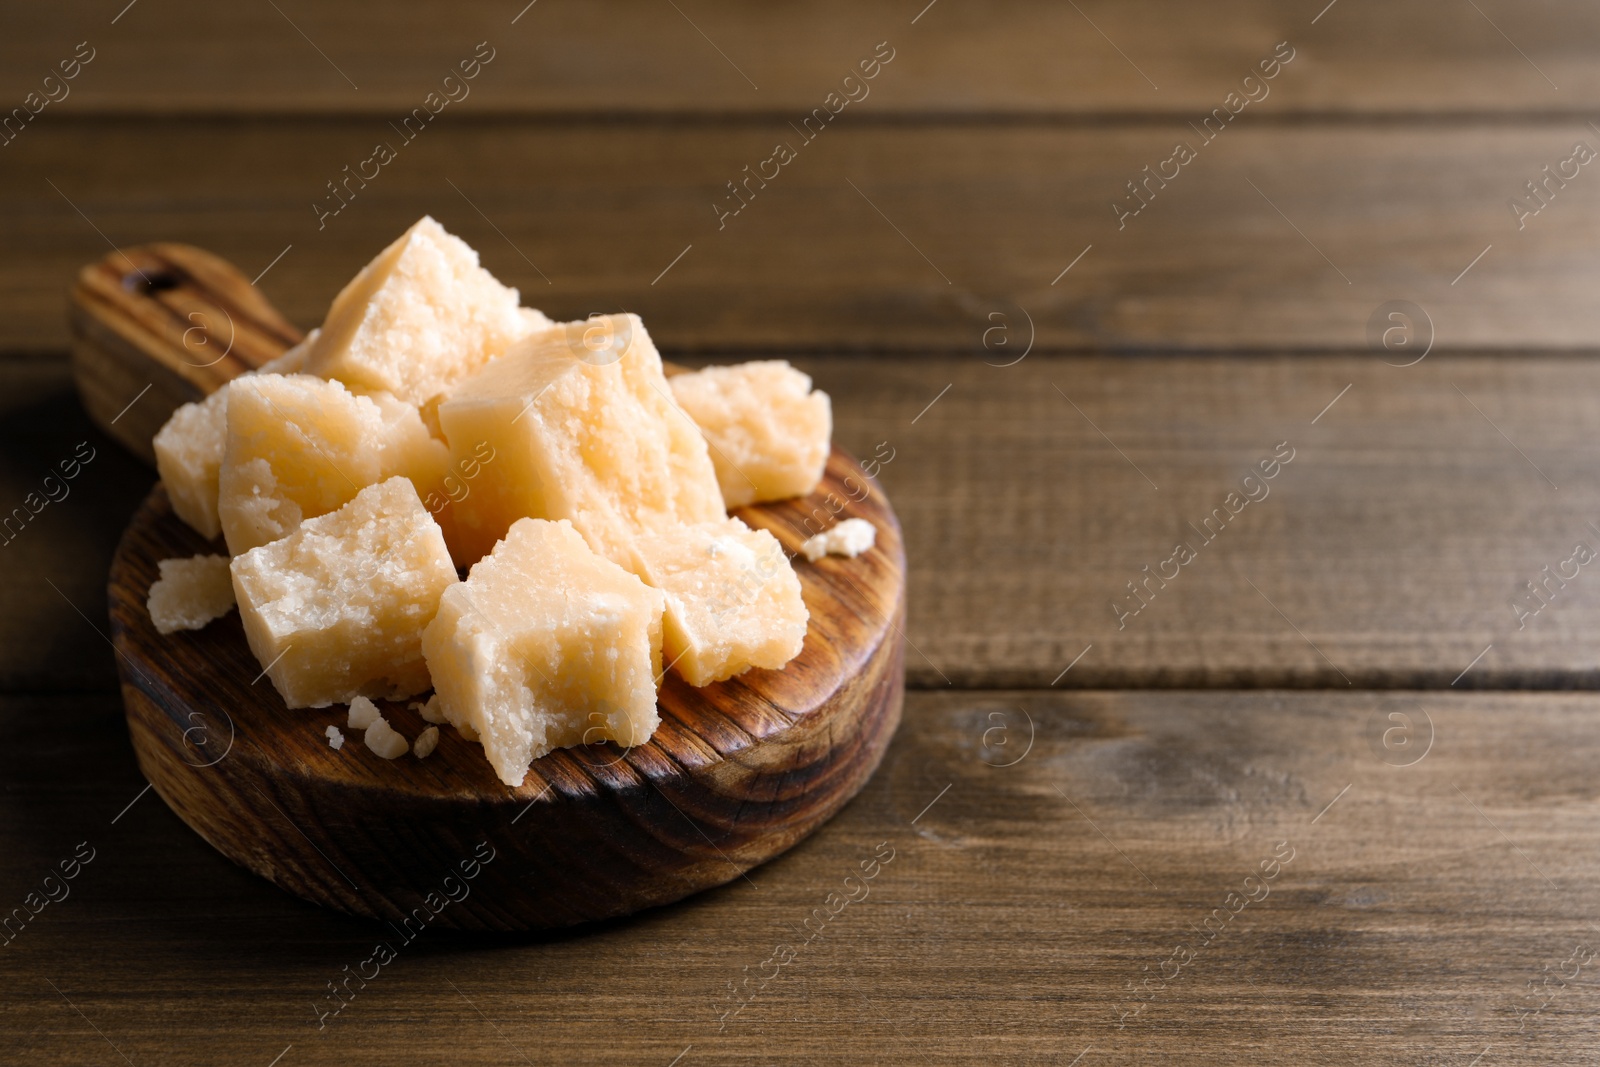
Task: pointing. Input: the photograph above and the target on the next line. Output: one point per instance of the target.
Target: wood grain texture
(161, 325)
(1394, 541)
(1419, 905)
(1023, 57)
(586, 217)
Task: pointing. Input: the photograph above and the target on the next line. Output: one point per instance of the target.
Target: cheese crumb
(190, 593)
(335, 738)
(432, 711)
(384, 740)
(849, 538)
(427, 741)
(363, 713)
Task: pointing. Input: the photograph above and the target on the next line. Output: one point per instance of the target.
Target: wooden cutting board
(737, 772)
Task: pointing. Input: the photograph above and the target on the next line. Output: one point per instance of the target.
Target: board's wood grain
(991, 216)
(1023, 57)
(1394, 540)
(737, 773)
(1418, 906)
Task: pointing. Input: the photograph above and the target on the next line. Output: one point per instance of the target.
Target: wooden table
(1323, 793)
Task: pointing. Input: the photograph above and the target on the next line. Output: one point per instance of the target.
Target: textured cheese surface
(190, 593)
(768, 430)
(363, 713)
(189, 458)
(583, 427)
(384, 740)
(417, 319)
(849, 538)
(733, 601)
(293, 361)
(336, 610)
(427, 741)
(298, 447)
(546, 645)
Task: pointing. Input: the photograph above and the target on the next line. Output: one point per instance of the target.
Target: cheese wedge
(546, 645)
(732, 600)
(583, 427)
(420, 317)
(298, 447)
(768, 430)
(336, 610)
(189, 459)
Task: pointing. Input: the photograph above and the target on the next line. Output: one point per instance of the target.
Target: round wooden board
(737, 772)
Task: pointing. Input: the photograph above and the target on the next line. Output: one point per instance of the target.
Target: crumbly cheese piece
(546, 645)
(431, 711)
(848, 538)
(336, 610)
(363, 713)
(189, 456)
(335, 737)
(298, 447)
(384, 740)
(190, 593)
(419, 318)
(768, 430)
(733, 600)
(426, 742)
(583, 427)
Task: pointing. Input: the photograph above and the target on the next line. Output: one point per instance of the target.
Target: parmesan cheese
(732, 600)
(363, 713)
(426, 742)
(336, 610)
(583, 432)
(384, 740)
(335, 737)
(546, 645)
(298, 447)
(190, 593)
(418, 318)
(849, 538)
(767, 429)
(189, 457)
(293, 360)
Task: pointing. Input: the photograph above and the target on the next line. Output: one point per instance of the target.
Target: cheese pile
(432, 424)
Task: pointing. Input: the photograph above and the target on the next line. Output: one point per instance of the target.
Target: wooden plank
(872, 239)
(1402, 913)
(1025, 57)
(1392, 544)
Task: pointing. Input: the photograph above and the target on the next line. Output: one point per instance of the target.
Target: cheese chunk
(293, 360)
(418, 318)
(384, 740)
(583, 427)
(733, 601)
(189, 458)
(336, 610)
(849, 538)
(335, 737)
(190, 593)
(427, 741)
(363, 713)
(546, 645)
(298, 447)
(768, 430)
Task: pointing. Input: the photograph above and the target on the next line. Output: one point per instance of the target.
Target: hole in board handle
(148, 284)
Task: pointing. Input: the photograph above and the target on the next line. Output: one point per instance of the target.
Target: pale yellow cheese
(546, 645)
(849, 538)
(190, 593)
(767, 429)
(298, 447)
(733, 601)
(583, 427)
(418, 318)
(363, 713)
(293, 360)
(189, 457)
(426, 742)
(384, 740)
(336, 610)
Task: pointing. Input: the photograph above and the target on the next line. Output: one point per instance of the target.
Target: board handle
(157, 326)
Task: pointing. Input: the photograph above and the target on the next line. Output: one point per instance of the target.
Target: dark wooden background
(1333, 672)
